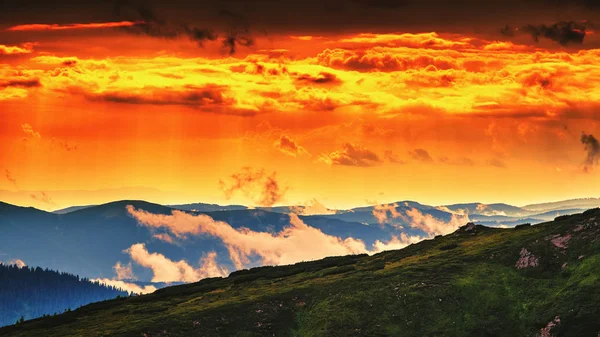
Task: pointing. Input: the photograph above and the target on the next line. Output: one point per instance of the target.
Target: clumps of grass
(449, 246)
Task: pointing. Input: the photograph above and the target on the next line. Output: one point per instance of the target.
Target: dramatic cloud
(421, 155)
(124, 272)
(262, 188)
(25, 48)
(592, 147)
(288, 146)
(380, 212)
(352, 155)
(389, 75)
(126, 286)
(74, 26)
(166, 270)
(564, 32)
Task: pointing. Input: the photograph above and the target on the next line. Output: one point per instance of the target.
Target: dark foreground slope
(541, 280)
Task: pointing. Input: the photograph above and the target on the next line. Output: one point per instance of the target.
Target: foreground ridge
(540, 280)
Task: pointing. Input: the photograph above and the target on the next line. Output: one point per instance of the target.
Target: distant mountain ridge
(89, 240)
(582, 203)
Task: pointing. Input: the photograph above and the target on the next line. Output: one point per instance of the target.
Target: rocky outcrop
(547, 330)
(561, 241)
(527, 260)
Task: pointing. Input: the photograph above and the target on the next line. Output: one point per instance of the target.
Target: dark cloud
(208, 98)
(157, 27)
(390, 156)
(69, 63)
(238, 32)
(592, 147)
(497, 163)
(201, 96)
(352, 155)
(200, 19)
(29, 83)
(421, 155)
(237, 29)
(382, 4)
(459, 161)
(564, 32)
(289, 146)
(321, 78)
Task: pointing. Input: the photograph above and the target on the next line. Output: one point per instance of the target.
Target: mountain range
(90, 240)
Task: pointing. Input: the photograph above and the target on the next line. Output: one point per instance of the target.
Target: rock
(546, 331)
(562, 241)
(469, 227)
(527, 260)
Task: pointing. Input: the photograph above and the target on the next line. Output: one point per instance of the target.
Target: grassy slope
(462, 284)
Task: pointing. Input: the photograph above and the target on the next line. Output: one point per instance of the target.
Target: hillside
(32, 292)
(541, 280)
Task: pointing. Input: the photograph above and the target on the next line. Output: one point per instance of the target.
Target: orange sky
(340, 117)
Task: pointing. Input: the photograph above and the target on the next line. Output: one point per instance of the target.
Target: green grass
(462, 284)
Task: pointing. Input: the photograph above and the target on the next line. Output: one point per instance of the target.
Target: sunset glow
(107, 110)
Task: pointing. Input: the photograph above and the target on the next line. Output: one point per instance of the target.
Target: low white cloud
(19, 263)
(312, 207)
(124, 272)
(126, 286)
(433, 226)
(380, 212)
(166, 270)
(295, 243)
(397, 242)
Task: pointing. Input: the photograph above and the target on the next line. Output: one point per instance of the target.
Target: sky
(270, 103)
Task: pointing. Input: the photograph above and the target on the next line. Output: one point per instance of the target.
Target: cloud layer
(166, 270)
(295, 243)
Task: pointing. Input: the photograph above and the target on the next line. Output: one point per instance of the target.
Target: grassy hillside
(541, 280)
